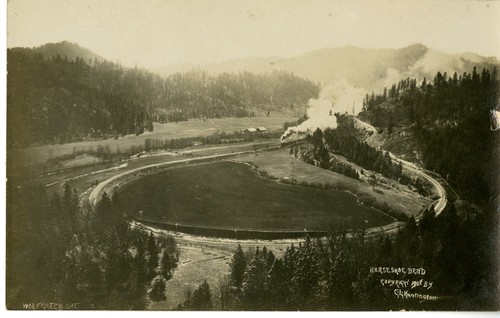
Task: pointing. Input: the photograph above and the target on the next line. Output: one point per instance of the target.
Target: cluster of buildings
(255, 129)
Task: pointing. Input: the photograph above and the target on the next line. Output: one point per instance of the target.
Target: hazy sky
(153, 33)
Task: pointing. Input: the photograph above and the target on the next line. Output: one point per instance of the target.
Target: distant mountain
(253, 65)
(65, 50)
(370, 69)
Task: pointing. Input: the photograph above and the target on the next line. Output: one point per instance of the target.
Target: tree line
(59, 252)
(336, 273)
(57, 100)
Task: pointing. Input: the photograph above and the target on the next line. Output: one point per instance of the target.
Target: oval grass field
(231, 195)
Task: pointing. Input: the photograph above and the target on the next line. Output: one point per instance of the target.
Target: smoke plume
(426, 67)
(339, 97)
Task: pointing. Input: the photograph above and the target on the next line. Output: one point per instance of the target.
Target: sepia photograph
(227, 155)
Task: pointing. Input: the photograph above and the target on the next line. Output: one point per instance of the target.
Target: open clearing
(195, 266)
(184, 129)
(280, 164)
(232, 196)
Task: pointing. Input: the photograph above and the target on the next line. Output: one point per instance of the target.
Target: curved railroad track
(440, 203)
(390, 229)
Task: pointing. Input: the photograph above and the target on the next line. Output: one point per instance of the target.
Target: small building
(261, 129)
(250, 130)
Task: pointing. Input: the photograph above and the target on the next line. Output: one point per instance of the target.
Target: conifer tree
(158, 288)
(200, 299)
(276, 287)
(254, 283)
(152, 251)
(168, 264)
(238, 267)
(139, 279)
(306, 273)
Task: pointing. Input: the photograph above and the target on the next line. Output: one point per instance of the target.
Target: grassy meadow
(231, 195)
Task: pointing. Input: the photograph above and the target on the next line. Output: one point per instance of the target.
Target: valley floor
(182, 129)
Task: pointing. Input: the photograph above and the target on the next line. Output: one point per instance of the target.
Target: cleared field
(185, 129)
(280, 164)
(231, 195)
(195, 266)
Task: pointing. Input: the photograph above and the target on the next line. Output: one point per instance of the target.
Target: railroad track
(371, 233)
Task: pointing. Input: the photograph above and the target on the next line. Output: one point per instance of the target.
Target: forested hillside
(78, 258)
(450, 118)
(60, 98)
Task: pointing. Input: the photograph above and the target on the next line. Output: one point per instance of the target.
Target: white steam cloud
(427, 67)
(434, 61)
(339, 97)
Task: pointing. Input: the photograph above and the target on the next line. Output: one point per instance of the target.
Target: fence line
(207, 246)
(240, 234)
